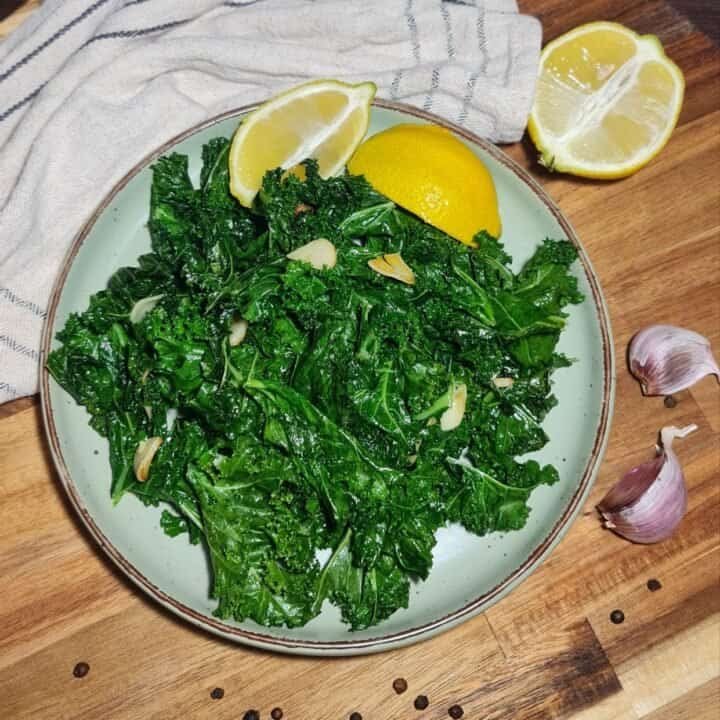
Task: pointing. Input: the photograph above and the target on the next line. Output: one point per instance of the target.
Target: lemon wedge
(428, 171)
(323, 119)
(606, 103)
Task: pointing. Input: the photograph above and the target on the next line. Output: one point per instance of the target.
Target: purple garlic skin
(649, 501)
(667, 359)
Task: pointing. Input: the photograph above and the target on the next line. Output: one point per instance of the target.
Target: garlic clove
(142, 307)
(453, 416)
(667, 359)
(649, 501)
(319, 253)
(144, 455)
(393, 266)
(238, 331)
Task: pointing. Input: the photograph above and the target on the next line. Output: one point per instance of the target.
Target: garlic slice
(144, 455)
(301, 208)
(238, 331)
(393, 266)
(667, 359)
(171, 415)
(503, 382)
(649, 501)
(319, 253)
(142, 307)
(452, 417)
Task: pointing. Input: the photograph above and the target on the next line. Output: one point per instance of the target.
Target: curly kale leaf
(318, 435)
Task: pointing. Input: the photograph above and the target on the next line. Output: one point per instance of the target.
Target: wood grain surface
(547, 651)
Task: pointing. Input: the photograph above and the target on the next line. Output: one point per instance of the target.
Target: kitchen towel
(90, 87)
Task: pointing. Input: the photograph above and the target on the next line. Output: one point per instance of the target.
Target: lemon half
(323, 119)
(428, 171)
(607, 101)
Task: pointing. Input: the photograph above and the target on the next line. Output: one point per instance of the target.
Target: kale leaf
(318, 435)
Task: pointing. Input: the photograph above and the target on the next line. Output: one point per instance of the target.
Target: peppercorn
(81, 670)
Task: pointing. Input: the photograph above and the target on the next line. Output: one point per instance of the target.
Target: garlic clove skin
(667, 359)
(649, 501)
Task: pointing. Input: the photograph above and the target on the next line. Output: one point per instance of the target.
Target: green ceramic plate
(469, 573)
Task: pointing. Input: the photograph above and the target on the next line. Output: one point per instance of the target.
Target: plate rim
(381, 642)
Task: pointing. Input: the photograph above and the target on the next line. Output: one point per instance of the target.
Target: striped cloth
(88, 87)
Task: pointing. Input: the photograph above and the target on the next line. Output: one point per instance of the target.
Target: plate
(469, 573)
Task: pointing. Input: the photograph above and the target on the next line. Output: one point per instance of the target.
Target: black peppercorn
(251, 715)
(617, 616)
(355, 716)
(456, 712)
(670, 401)
(276, 714)
(400, 685)
(217, 693)
(421, 702)
(653, 585)
(81, 670)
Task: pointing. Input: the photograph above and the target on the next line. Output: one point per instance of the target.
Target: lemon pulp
(323, 119)
(607, 101)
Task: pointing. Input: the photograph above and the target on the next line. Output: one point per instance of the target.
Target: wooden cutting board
(549, 650)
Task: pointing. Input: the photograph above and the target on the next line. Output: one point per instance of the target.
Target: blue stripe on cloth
(448, 32)
(434, 82)
(19, 347)
(10, 296)
(395, 87)
(8, 388)
(46, 43)
(467, 99)
(136, 33)
(102, 36)
(472, 80)
(481, 37)
(412, 26)
(13, 108)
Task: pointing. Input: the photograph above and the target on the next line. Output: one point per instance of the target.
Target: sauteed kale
(324, 427)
